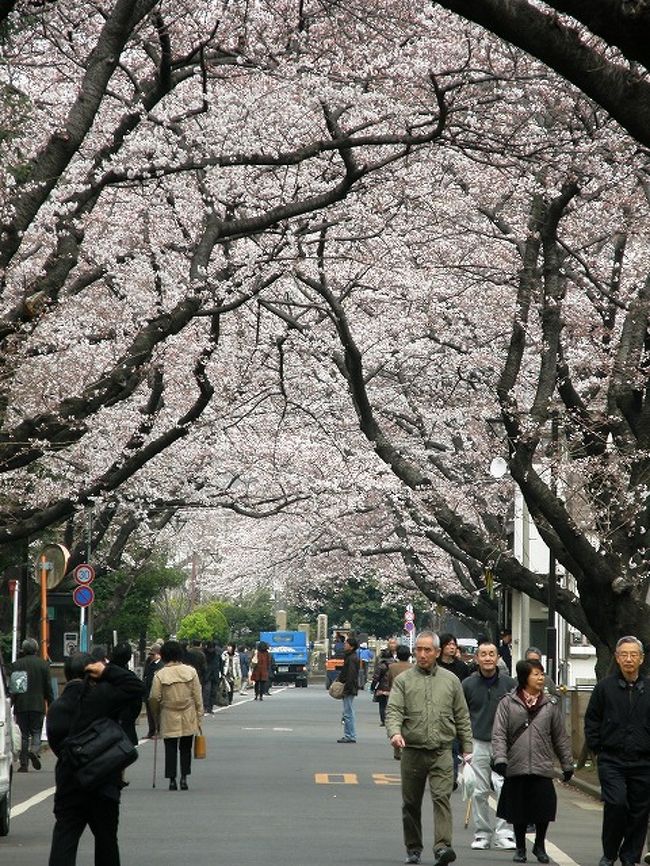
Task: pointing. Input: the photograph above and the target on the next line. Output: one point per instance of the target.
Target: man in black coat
(349, 675)
(95, 690)
(617, 729)
(29, 706)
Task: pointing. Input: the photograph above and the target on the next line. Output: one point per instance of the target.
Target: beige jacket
(175, 700)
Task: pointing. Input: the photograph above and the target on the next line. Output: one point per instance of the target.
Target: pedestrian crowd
(96, 713)
(443, 717)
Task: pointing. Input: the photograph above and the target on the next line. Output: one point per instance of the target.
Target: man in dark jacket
(483, 690)
(349, 674)
(617, 729)
(151, 665)
(95, 690)
(30, 706)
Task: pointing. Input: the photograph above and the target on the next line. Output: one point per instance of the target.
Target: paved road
(276, 789)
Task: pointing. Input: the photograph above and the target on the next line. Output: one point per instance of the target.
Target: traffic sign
(84, 573)
(83, 595)
(409, 616)
(408, 625)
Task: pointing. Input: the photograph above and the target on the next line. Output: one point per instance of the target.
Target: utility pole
(551, 631)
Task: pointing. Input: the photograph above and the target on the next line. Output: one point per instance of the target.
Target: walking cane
(468, 811)
(155, 755)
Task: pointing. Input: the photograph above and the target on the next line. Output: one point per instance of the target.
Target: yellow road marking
(336, 778)
(386, 779)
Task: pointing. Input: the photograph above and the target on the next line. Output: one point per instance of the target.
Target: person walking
(533, 653)
(379, 685)
(245, 665)
(349, 676)
(426, 711)
(617, 730)
(95, 690)
(401, 664)
(177, 707)
(448, 658)
(449, 661)
(30, 705)
(528, 734)
(483, 690)
(231, 669)
(505, 649)
(121, 656)
(261, 667)
(152, 664)
(212, 676)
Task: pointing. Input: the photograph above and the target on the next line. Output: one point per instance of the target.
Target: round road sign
(408, 626)
(83, 596)
(409, 616)
(84, 573)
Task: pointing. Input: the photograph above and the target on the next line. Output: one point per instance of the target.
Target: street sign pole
(44, 569)
(14, 589)
(84, 574)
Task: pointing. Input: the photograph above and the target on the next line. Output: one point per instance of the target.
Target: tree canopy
(280, 279)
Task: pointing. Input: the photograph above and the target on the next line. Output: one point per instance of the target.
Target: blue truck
(290, 654)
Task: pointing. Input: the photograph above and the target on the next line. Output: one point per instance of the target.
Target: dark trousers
(151, 721)
(382, 700)
(174, 745)
(261, 688)
(31, 725)
(625, 788)
(73, 815)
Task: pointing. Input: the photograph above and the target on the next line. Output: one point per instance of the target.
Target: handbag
(200, 750)
(336, 690)
(98, 751)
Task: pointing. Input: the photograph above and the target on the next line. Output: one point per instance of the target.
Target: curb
(585, 787)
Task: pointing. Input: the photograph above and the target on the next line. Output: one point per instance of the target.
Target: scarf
(528, 699)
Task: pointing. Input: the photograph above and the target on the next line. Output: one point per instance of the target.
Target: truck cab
(290, 656)
(6, 753)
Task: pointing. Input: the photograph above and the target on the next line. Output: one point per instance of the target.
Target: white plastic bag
(466, 781)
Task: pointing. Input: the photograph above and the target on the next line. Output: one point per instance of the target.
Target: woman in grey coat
(527, 736)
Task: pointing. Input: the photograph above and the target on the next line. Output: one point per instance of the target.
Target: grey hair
(428, 633)
(534, 649)
(29, 646)
(629, 638)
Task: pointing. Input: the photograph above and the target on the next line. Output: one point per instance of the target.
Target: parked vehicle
(6, 752)
(290, 655)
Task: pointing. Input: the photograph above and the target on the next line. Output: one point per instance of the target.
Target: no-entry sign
(83, 596)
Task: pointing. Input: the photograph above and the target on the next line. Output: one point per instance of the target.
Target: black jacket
(39, 684)
(79, 705)
(617, 720)
(457, 666)
(349, 673)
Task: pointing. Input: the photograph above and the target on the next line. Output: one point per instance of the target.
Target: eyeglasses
(631, 655)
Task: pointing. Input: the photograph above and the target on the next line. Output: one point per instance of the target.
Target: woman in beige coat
(175, 701)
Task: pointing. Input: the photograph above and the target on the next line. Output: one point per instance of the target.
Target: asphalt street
(277, 789)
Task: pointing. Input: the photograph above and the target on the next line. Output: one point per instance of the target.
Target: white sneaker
(504, 842)
(480, 843)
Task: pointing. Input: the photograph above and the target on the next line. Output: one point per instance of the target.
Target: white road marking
(556, 854)
(33, 801)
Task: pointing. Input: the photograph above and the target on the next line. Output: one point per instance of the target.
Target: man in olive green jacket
(426, 711)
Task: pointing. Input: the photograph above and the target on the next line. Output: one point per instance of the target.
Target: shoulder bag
(98, 751)
(336, 690)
